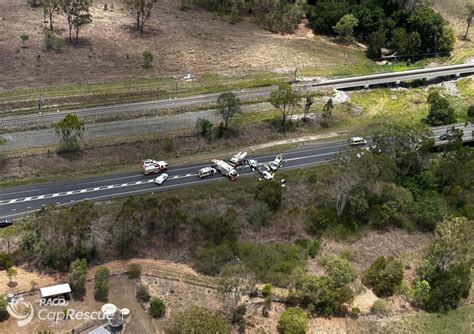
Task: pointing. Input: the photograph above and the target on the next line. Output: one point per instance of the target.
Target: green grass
(3, 141)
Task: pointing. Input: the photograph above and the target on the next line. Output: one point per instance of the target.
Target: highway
(248, 94)
(21, 200)
(26, 199)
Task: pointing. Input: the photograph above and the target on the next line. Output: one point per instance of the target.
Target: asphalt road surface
(26, 199)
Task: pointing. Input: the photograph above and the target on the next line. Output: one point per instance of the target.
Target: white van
(206, 171)
(355, 141)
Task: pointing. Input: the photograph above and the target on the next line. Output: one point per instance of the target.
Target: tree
(327, 109)
(270, 192)
(309, 101)
(127, 230)
(284, 99)
(197, 320)
(406, 144)
(51, 7)
(77, 277)
(470, 15)
(429, 25)
(147, 58)
(3, 308)
(140, 10)
(70, 129)
(345, 26)
(77, 15)
(157, 307)
(228, 105)
(11, 273)
(101, 285)
(82, 16)
(384, 276)
(339, 269)
(235, 281)
(440, 112)
(375, 44)
(293, 321)
(6, 261)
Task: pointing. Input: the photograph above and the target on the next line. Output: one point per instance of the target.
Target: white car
(265, 172)
(162, 178)
(355, 141)
(275, 164)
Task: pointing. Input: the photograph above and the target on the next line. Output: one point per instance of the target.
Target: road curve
(247, 94)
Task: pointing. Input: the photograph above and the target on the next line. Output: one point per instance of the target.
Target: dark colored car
(4, 222)
(446, 136)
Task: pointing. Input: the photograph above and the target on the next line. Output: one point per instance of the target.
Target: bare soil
(180, 41)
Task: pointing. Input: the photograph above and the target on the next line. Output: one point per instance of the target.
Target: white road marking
(12, 201)
(96, 188)
(69, 192)
(27, 199)
(41, 196)
(124, 184)
(55, 195)
(175, 177)
(83, 190)
(13, 209)
(110, 187)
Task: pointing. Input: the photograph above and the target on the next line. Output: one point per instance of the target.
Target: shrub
(313, 248)
(77, 277)
(259, 214)
(267, 290)
(470, 111)
(204, 127)
(101, 286)
(3, 308)
(147, 58)
(339, 269)
(384, 276)
(168, 145)
(321, 295)
(197, 320)
(134, 271)
(293, 321)
(157, 307)
(6, 261)
(269, 192)
(355, 312)
(317, 221)
(52, 42)
(210, 260)
(142, 294)
(272, 263)
(380, 307)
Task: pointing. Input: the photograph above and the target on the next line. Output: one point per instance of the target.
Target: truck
(238, 159)
(150, 166)
(225, 169)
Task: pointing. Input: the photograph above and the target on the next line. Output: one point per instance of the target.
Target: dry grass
(110, 49)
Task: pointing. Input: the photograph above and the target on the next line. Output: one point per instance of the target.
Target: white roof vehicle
(162, 178)
(238, 158)
(354, 141)
(275, 164)
(152, 166)
(265, 172)
(206, 171)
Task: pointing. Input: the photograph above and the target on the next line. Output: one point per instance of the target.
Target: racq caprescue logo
(22, 311)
